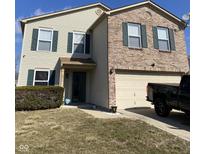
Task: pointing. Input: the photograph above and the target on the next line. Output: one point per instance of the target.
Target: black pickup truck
(166, 97)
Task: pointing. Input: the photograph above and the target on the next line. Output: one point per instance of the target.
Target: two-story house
(103, 56)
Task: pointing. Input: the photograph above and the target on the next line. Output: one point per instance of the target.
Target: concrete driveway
(176, 123)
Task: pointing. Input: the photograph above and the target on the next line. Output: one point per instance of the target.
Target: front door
(79, 87)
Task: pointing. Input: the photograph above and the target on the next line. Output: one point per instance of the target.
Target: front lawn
(73, 131)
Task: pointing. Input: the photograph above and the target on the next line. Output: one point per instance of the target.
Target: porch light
(153, 64)
(112, 70)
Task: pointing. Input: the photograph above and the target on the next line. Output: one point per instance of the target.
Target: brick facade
(121, 57)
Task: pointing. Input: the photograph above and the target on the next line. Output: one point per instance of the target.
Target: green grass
(73, 131)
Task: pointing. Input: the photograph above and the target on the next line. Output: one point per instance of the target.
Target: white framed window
(45, 37)
(134, 35)
(163, 39)
(41, 77)
(78, 43)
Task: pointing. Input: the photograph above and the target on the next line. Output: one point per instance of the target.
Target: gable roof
(127, 7)
(124, 8)
(65, 11)
(108, 11)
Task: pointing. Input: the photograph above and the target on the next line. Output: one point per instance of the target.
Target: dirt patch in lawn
(73, 131)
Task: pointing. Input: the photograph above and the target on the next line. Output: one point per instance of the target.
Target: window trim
(168, 40)
(47, 29)
(40, 70)
(84, 43)
(140, 35)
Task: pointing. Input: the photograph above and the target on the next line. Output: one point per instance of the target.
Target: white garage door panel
(131, 88)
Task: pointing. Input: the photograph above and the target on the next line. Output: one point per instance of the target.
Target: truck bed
(164, 84)
(161, 88)
(168, 96)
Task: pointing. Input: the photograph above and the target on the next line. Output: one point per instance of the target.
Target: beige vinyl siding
(76, 21)
(99, 83)
(65, 11)
(131, 87)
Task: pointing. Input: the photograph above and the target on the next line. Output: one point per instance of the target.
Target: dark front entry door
(79, 87)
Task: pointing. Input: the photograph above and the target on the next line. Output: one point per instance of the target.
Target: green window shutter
(55, 41)
(30, 77)
(171, 39)
(34, 40)
(87, 45)
(52, 77)
(70, 42)
(125, 33)
(144, 36)
(155, 38)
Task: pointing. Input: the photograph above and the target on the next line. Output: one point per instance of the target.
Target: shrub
(38, 97)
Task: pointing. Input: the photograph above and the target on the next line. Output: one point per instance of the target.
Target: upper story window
(45, 39)
(41, 77)
(134, 35)
(79, 42)
(163, 39)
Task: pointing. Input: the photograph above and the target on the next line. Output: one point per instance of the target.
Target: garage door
(131, 87)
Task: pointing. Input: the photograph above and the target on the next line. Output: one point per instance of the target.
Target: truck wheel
(161, 108)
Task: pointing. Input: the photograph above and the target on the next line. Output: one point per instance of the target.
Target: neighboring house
(189, 64)
(16, 78)
(189, 60)
(103, 56)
